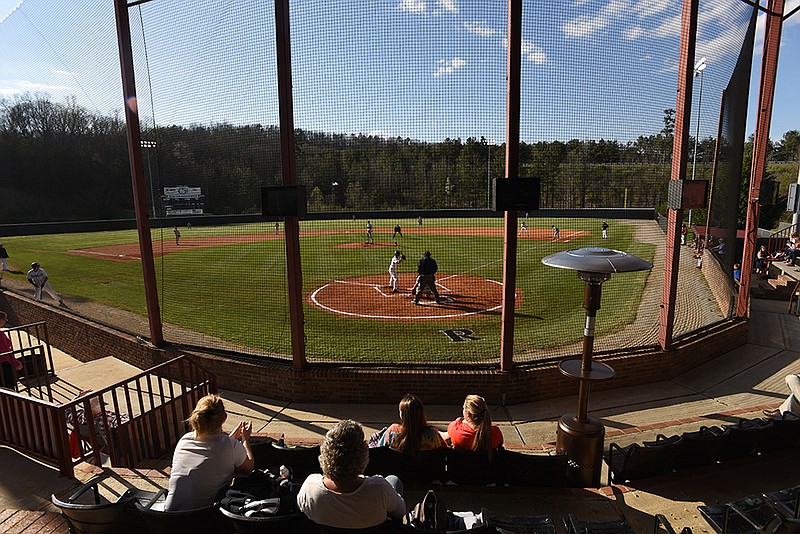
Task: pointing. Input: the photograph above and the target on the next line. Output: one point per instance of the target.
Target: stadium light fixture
(579, 435)
(699, 67)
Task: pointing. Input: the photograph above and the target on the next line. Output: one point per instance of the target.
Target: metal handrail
(777, 240)
(137, 418)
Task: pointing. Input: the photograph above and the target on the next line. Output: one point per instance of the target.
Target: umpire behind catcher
(426, 268)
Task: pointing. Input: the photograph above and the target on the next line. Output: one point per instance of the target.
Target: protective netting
(400, 113)
(728, 180)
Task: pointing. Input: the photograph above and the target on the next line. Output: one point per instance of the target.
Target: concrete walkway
(738, 384)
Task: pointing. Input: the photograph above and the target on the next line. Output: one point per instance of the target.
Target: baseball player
(3, 257)
(369, 233)
(604, 228)
(419, 221)
(397, 230)
(426, 268)
(396, 260)
(177, 235)
(38, 279)
(556, 233)
(523, 228)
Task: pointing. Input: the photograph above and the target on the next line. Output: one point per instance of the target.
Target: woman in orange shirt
(474, 431)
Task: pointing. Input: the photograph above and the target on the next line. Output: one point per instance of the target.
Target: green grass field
(237, 292)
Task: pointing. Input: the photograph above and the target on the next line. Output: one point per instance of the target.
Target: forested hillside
(63, 162)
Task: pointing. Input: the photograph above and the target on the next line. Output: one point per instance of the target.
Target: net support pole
(137, 170)
(680, 148)
(717, 149)
(294, 274)
(766, 94)
(512, 173)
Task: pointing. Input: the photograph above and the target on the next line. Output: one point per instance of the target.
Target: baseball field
(227, 285)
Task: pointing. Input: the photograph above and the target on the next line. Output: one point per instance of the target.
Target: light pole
(148, 145)
(579, 435)
(699, 67)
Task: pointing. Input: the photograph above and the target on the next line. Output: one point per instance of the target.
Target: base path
(370, 297)
(130, 251)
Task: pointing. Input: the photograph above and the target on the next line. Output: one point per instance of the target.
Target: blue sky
(591, 68)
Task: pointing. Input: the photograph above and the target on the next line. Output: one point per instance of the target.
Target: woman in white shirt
(206, 459)
(342, 497)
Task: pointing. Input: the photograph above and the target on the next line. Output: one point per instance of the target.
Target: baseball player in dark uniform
(397, 230)
(427, 268)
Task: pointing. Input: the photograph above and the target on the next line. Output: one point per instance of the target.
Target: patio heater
(581, 436)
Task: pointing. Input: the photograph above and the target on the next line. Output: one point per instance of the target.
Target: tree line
(64, 162)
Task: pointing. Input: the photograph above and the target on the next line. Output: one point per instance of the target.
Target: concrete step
(767, 289)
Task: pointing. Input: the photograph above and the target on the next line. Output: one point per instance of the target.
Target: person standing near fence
(3, 257)
(7, 360)
(39, 280)
(177, 235)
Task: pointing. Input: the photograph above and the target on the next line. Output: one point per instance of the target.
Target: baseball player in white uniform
(38, 278)
(396, 259)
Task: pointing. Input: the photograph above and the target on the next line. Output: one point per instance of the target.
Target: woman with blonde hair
(413, 433)
(342, 497)
(206, 459)
(474, 431)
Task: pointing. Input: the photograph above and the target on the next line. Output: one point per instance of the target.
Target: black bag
(430, 513)
(261, 494)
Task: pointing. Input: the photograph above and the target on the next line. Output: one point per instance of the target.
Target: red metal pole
(512, 173)
(294, 273)
(137, 171)
(766, 95)
(680, 150)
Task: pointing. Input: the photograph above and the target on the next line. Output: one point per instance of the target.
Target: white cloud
(533, 52)
(632, 33)
(479, 28)
(413, 6)
(671, 27)
(59, 72)
(586, 25)
(448, 66)
(648, 8)
(12, 87)
(530, 51)
(449, 5)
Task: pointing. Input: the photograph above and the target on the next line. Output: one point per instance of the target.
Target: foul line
(106, 254)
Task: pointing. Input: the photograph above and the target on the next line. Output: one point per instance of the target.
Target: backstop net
(400, 113)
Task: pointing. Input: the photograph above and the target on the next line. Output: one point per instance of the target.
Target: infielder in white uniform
(396, 259)
(38, 278)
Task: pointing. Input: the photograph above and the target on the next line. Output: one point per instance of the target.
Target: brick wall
(720, 283)
(336, 383)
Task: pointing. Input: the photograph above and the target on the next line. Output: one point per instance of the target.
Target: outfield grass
(238, 293)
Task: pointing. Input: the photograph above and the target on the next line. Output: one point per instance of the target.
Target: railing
(33, 350)
(138, 418)
(777, 240)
